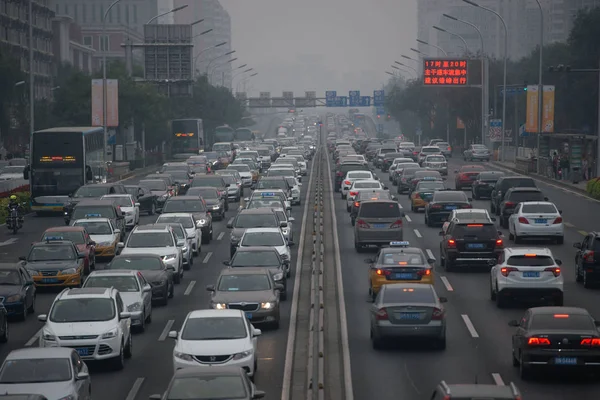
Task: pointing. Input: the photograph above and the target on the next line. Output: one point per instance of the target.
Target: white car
(296, 192)
(395, 164)
(244, 172)
(93, 321)
(428, 151)
(193, 231)
(352, 176)
(161, 241)
(284, 171)
(130, 208)
(362, 184)
(471, 214)
(271, 237)
(103, 233)
(536, 219)
(301, 163)
(286, 223)
(212, 338)
(436, 162)
(529, 273)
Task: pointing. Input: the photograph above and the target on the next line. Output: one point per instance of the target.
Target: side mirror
(256, 332)
(230, 224)
(258, 394)
(291, 219)
(283, 224)
(514, 323)
(431, 260)
(246, 199)
(227, 185)
(576, 245)
(29, 283)
(402, 214)
(92, 243)
(117, 231)
(155, 397)
(172, 334)
(147, 288)
(279, 287)
(227, 262)
(386, 188)
(210, 288)
(80, 256)
(42, 317)
(137, 204)
(120, 245)
(22, 258)
(558, 261)
(456, 171)
(441, 233)
(124, 315)
(180, 243)
(560, 212)
(500, 233)
(597, 323)
(470, 199)
(443, 300)
(171, 267)
(376, 178)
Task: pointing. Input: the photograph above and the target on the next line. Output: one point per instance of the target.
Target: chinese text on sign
(444, 72)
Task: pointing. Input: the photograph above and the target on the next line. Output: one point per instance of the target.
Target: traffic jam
(123, 252)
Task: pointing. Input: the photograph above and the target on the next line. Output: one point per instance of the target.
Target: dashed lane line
(135, 389)
(497, 379)
(430, 254)
(208, 256)
(470, 326)
(220, 235)
(408, 218)
(189, 289)
(417, 233)
(569, 225)
(34, 338)
(584, 233)
(447, 284)
(165, 331)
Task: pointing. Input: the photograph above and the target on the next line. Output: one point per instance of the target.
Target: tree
(12, 96)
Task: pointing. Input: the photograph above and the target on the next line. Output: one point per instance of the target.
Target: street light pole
(455, 35)
(407, 66)
(210, 74)
(206, 49)
(504, 72)
(434, 46)
(166, 13)
(541, 89)
(31, 79)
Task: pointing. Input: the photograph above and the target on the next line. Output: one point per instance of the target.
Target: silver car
(445, 148)
(378, 222)
(234, 190)
(184, 242)
(57, 372)
(477, 152)
(436, 163)
(408, 310)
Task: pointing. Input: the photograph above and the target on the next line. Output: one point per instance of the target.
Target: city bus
(187, 137)
(62, 160)
(224, 133)
(244, 135)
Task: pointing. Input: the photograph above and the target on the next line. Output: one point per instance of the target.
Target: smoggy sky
(320, 45)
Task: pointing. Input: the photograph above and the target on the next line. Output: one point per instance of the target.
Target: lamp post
(104, 94)
(31, 78)
(484, 88)
(202, 33)
(455, 35)
(248, 78)
(541, 90)
(206, 49)
(504, 72)
(407, 66)
(216, 58)
(434, 46)
(418, 52)
(218, 66)
(166, 13)
(400, 70)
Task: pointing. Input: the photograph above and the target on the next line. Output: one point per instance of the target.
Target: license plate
(49, 280)
(565, 361)
(82, 351)
(404, 275)
(410, 316)
(249, 315)
(475, 246)
(531, 274)
(379, 226)
(451, 207)
(540, 221)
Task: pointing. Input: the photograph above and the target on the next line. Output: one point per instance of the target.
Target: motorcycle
(13, 221)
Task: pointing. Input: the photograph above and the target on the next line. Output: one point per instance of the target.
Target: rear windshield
(81, 212)
(216, 181)
(362, 175)
(352, 167)
(530, 261)
(366, 185)
(183, 206)
(256, 221)
(408, 172)
(423, 174)
(476, 231)
(156, 185)
(373, 195)
(402, 259)
(489, 177)
(385, 151)
(435, 185)
(562, 322)
(450, 196)
(526, 196)
(430, 150)
(205, 193)
(436, 159)
(408, 295)
(379, 210)
(539, 208)
(520, 182)
(272, 184)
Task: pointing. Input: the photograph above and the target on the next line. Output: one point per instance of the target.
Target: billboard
(282, 102)
(445, 72)
(531, 123)
(112, 103)
(264, 99)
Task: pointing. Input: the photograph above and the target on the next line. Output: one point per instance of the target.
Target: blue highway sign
(380, 110)
(341, 101)
(354, 96)
(378, 98)
(330, 97)
(365, 101)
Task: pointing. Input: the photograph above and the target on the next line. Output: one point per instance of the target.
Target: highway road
(479, 339)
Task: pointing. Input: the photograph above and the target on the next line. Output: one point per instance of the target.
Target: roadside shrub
(22, 197)
(593, 188)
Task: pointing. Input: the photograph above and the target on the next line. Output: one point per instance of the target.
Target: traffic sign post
(330, 98)
(378, 98)
(354, 96)
(365, 101)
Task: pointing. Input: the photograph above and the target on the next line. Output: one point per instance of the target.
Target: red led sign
(445, 72)
(50, 159)
(184, 134)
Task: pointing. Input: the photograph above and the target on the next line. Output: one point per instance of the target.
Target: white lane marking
(291, 339)
(447, 284)
(9, 242)
(135, 389)
(408, 218)
(417, 233)
(165, 331)
(208, 255)
(35, 337)
(400, 206)
(220, 235)
(569, 225)
(430, 254)
(470, 326)
(189, 289)
(497, 379)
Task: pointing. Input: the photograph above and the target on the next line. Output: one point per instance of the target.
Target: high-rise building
(209, 59)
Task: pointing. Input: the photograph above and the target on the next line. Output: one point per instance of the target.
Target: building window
(104, 43)
(88, 41)
(76, 13)
(84, 13)
(118, 12)
(135, 14)
(93, 13)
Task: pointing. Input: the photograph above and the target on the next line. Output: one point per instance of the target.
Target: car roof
(39, 352)
(138, 256)
(409, 250)
(198, 371)
(116, 195)
(181, 198)
(65, 229)
(414, 286)
(87, 292)
(175, 215)
(113, 272)
(151, 228)
(95, 202)
(389, 201)
(258, 249)
(259, 230)
(524, 189)
(558, 310)
(95, 219)
(518, 251)
(478, 221)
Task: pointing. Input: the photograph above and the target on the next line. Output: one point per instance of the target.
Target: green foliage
(22, 197)
(11, 96)
(593, 188)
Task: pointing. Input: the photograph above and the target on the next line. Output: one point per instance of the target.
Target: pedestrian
(585, 168)
(564, 166)
(555, 165)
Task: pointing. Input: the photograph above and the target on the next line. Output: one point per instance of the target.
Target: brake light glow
(356, 204)
(530, 255)
(424, 272)
(396, 225)
(509, 204)
(435, 206)
(523, 220)
(499, 243)
(505, 271)
(353, 193)
(474, 225)
(384, 272)
(451, 243)
(449, 148)
(558, 220)
(402, 263)
(437, 314)
(339, 173)
(594, 342)
(416, 195)
(361, 223)
(381, 314)
(561, 315)
(589, 256)
(346, 182)
(537, 341)
(463, 177)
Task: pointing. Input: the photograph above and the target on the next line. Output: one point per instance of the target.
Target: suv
(514, 196)
(378, 222)
(443, 203)
(388, 160)
(472, 214)
(503, 184)
(93, 321)
(469, 243)
(484, 183)
(475, 391)
(587, 260)
(250, 218)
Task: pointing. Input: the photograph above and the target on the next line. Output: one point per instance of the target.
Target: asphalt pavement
(478, 336)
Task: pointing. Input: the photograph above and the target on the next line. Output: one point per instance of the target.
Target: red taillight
(499, 243)
(437, 314)
(449, 148)
(353, 193)
(385, 272)
(463, 177)
(523, 220)
(509, 204)
(505, 271)
(415, 153)
(554, 270)
(537, 341)
(397, 224)
(435, 206)
(346, 182)
(558, 220)
(361, 223)
(467, 206)
(381, 315)
(356, 204)
(594, 342)
(424, 272)
(588, 256)
(451, 243)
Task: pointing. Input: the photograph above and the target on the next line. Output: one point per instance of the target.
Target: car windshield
(430, 150)
(272, 184)
(72, 236)
(209, 387)
(409, 172)
(121, 201)
(430, 186)
(187, 222)
(136, 264)
(262, 239)
(35, 370)
(10, 277)
(562, 322)
(517, 197)
(82, 310)
(90, 191)
(205, 193)
(155, 185)
(366, 185)
(183, 206)
(402, 259)
(256, 221)
(209, 181)
(82, 211)
(408, 295)
(255, 259)
(539, 209)
(244, 283)
(150, 239)
(530, 260)
(379, 210)
(121, 283)
(436, 159)
(450, 196)
(214, 328)
(94, 227)
(52, 253)
(179, 176)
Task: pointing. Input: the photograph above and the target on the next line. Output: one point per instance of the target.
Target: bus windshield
(187, 136)
(243, 135)
(224, 134)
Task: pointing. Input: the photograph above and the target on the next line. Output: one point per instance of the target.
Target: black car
(215, 181)
(442, 203)
(388, 159)
(181, 179)
(160, 189)
(214, 202)
(262, 257)
(250, 218)
(144, 196)
(514, 196)
(587, 260)
(557, 338)
(484, 184)
(172, 187)
(195, 206)
(503, 184)
(469, 243)
(342, 169)
(17, 290)
(93, 191)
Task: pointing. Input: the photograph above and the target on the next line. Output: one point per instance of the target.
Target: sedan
(269, 237)
(536, 219)
(129, 207)
(17, 290)
(477, 152)
(144, 196)
(215, 203)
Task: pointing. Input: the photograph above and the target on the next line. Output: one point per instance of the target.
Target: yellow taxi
(423, 193)
(399, 263)
(103, 233)
(55, 262)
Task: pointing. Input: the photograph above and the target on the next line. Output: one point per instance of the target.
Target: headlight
(201, 222)
(242, 355)
(235, 239)
(169, 257)
(69, 271)
(278, 276)
(14, 298)
(184, 249)
(267, 305)
(48, 336)
(182, 356)
(192, 237)
(134, 307)
(219, 306)
(110, 334)
(216, 207)
(33, 272)
(164, 196)
(69, 397)
(285, 231)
